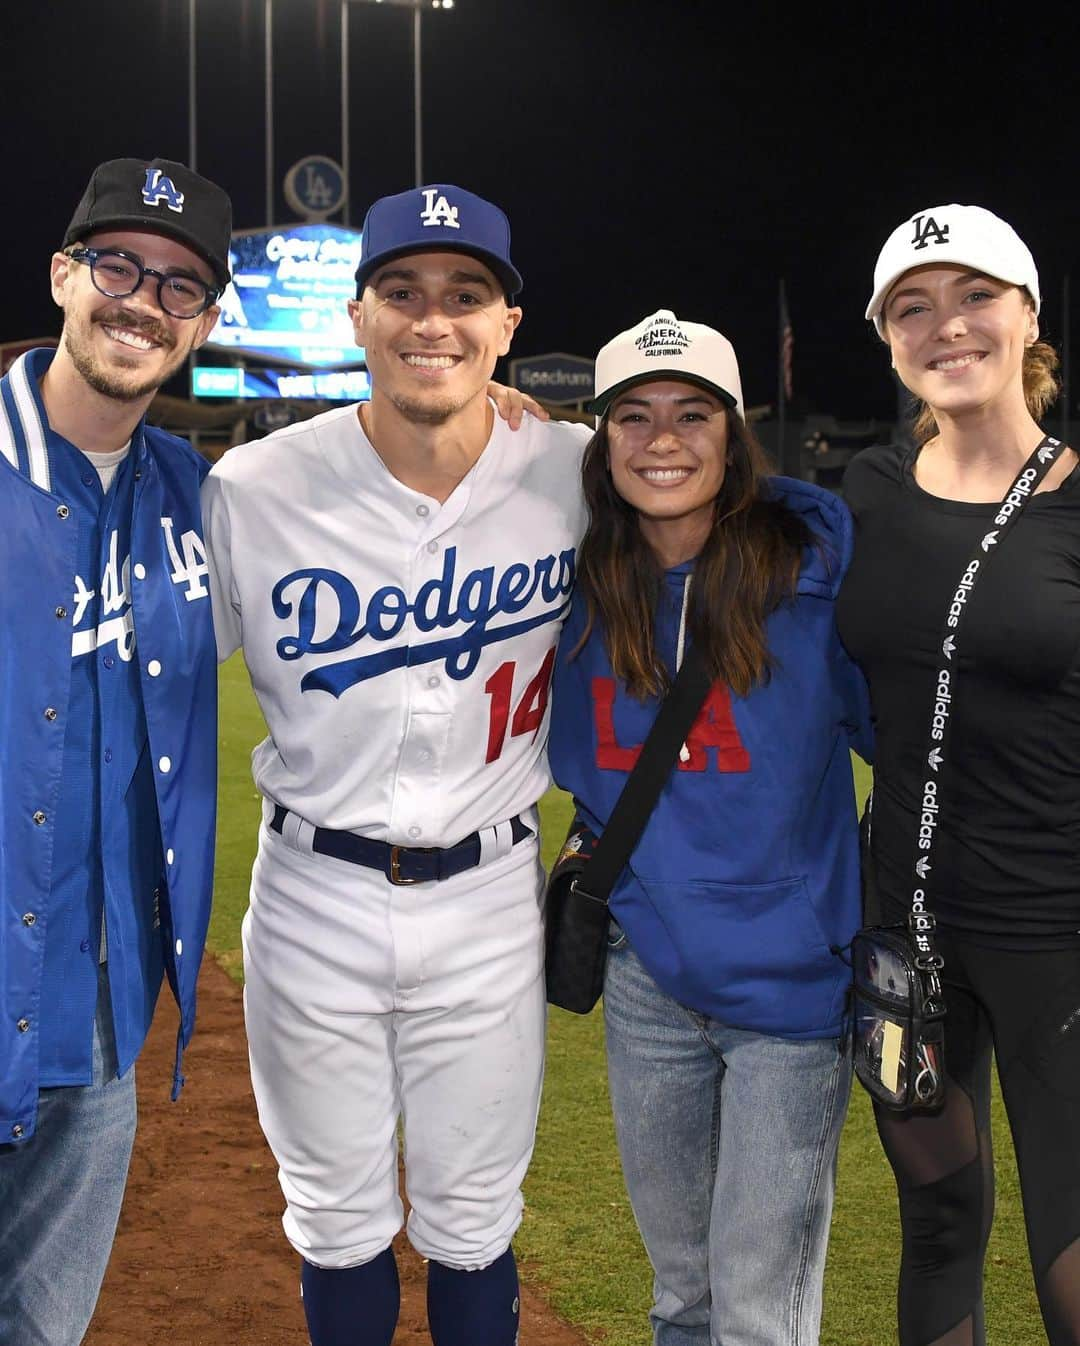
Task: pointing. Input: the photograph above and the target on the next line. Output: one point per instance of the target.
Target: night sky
(676, 153)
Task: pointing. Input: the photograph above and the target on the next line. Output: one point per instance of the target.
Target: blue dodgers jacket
(178, 681)
(746, 878)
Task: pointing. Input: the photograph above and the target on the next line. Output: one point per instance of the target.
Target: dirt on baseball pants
(367, 1003)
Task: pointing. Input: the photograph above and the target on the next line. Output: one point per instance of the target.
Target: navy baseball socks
(474, 1308)
(352, 1306)
(358, 1306)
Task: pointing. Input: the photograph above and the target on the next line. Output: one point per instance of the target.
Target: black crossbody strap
(652, 768)
(921, 921)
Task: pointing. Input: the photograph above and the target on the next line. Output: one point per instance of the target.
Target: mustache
(145, 326)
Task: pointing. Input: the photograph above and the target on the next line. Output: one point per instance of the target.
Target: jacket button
(39, 817)
(62, 511)
(23, 1025)
(17, 1131)
(61, 613)
(29, 918)
(50, 712)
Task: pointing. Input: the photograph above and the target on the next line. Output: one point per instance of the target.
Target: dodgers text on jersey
(325, 601)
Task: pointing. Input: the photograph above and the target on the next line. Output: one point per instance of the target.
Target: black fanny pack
(575, 928)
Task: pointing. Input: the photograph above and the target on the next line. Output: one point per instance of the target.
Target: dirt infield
(200, 1259)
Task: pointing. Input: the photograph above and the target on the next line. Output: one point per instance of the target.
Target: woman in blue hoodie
(725, 990)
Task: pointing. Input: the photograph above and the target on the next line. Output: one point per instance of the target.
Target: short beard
(111, 385)
(427, 413)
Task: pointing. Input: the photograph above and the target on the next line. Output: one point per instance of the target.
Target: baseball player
(107, 724)
(397, 574)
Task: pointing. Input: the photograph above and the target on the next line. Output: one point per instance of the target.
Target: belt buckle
(395, 868)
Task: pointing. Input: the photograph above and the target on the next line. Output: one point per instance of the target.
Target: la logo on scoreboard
(315, 187)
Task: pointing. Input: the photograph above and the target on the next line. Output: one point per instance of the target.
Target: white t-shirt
(107, 463)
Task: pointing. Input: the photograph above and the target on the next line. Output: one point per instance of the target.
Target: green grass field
(578, 1241)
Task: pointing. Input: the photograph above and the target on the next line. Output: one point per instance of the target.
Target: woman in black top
(956, 298)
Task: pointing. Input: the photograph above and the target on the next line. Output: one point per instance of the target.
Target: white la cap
(664, 347)
(953, 235)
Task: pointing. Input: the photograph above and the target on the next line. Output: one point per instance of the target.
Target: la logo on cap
(927, 229)
(663, 337)
(438, 210)
(159, 189)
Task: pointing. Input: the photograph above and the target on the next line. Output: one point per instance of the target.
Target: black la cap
(161, 195)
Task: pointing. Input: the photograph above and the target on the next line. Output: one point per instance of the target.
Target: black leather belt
(400, 864)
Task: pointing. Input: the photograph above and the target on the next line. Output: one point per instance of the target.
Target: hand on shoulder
(512, 404)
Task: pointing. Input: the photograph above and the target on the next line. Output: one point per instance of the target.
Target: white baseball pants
(366, 1002)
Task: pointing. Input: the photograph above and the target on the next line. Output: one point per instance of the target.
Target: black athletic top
(1007, 848)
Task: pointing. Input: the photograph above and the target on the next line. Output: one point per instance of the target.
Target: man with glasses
(107, 724)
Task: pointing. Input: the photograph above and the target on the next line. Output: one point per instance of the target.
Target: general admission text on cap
(662, 346)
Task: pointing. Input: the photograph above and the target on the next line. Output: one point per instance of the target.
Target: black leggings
(1024, 1007)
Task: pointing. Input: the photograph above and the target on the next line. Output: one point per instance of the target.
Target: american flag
(787, 344)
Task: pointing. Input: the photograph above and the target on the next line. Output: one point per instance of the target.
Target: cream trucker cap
(953, 235)
(664, 347)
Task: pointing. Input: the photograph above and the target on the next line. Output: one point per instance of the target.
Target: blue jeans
(60, 1195)
(728, 1143)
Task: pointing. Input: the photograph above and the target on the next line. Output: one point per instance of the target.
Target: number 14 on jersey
(526, 715)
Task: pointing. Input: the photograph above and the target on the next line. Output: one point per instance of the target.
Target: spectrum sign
(558, 378)
(287, 299)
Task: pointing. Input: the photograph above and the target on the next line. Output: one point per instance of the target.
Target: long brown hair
(748, 566)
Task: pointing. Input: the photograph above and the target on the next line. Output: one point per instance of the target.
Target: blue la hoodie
(746, 878)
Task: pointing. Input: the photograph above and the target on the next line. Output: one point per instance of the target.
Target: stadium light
(268, 97)
(417, 7)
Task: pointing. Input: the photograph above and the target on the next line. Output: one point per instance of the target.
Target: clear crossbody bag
(899, 1029)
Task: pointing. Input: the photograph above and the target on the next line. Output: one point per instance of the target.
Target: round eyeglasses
(119, 274)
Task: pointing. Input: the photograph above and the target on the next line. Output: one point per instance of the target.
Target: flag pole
(781, 399)
(788, 457)
(1066, 391)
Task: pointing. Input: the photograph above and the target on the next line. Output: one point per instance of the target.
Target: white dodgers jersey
(401, 649)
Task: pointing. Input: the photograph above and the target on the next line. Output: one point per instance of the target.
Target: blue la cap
(442, 218)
